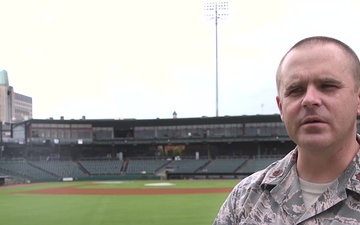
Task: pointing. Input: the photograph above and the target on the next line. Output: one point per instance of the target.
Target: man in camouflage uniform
(318, 83)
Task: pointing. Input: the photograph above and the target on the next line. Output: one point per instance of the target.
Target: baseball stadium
(159, 171)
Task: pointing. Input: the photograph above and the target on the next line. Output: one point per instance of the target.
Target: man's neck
(324, 166)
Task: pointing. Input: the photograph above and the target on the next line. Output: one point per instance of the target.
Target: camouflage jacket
(273, 196)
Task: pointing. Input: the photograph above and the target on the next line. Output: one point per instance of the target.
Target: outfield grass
(30, 209)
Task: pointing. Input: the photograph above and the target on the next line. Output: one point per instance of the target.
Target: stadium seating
(253, 165)
(186, 165)
(59, 168)
(142, 166)
(102, 167)
(97, 168)
(24, 170)
(224, 165)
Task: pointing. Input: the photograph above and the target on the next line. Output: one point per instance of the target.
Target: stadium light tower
(216, 11)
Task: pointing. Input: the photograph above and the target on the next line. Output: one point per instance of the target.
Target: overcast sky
(146, 59)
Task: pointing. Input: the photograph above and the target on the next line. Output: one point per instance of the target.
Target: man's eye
(328, 86)
(296, 90)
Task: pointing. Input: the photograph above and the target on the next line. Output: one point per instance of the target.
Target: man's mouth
(312, 120)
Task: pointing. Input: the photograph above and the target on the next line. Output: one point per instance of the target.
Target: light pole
(1, 141)
(216, 11)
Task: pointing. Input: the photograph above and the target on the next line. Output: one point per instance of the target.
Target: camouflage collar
(278, 173)
(353, 172)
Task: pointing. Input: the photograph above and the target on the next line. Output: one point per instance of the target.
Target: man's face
(317, 99)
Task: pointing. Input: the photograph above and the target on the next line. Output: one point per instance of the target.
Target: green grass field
(37, 209)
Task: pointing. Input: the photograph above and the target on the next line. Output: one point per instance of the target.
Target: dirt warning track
(125, 191)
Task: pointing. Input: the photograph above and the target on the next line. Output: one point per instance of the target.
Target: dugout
(2, 180)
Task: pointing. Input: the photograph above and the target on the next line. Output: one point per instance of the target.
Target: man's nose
(311, 98)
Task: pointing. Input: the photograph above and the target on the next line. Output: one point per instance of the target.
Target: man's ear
(278, 102)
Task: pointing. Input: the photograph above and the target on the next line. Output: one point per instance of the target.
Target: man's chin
(314, 141)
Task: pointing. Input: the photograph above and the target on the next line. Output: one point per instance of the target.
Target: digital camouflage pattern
(273, 196)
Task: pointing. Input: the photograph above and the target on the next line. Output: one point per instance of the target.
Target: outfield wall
(174, 175)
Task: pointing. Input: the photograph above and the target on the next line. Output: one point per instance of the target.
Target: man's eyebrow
(325, 80)
(329, 80)
(293, 84)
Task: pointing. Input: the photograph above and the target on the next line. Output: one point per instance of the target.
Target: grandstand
(207, 147)
(35, 171)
